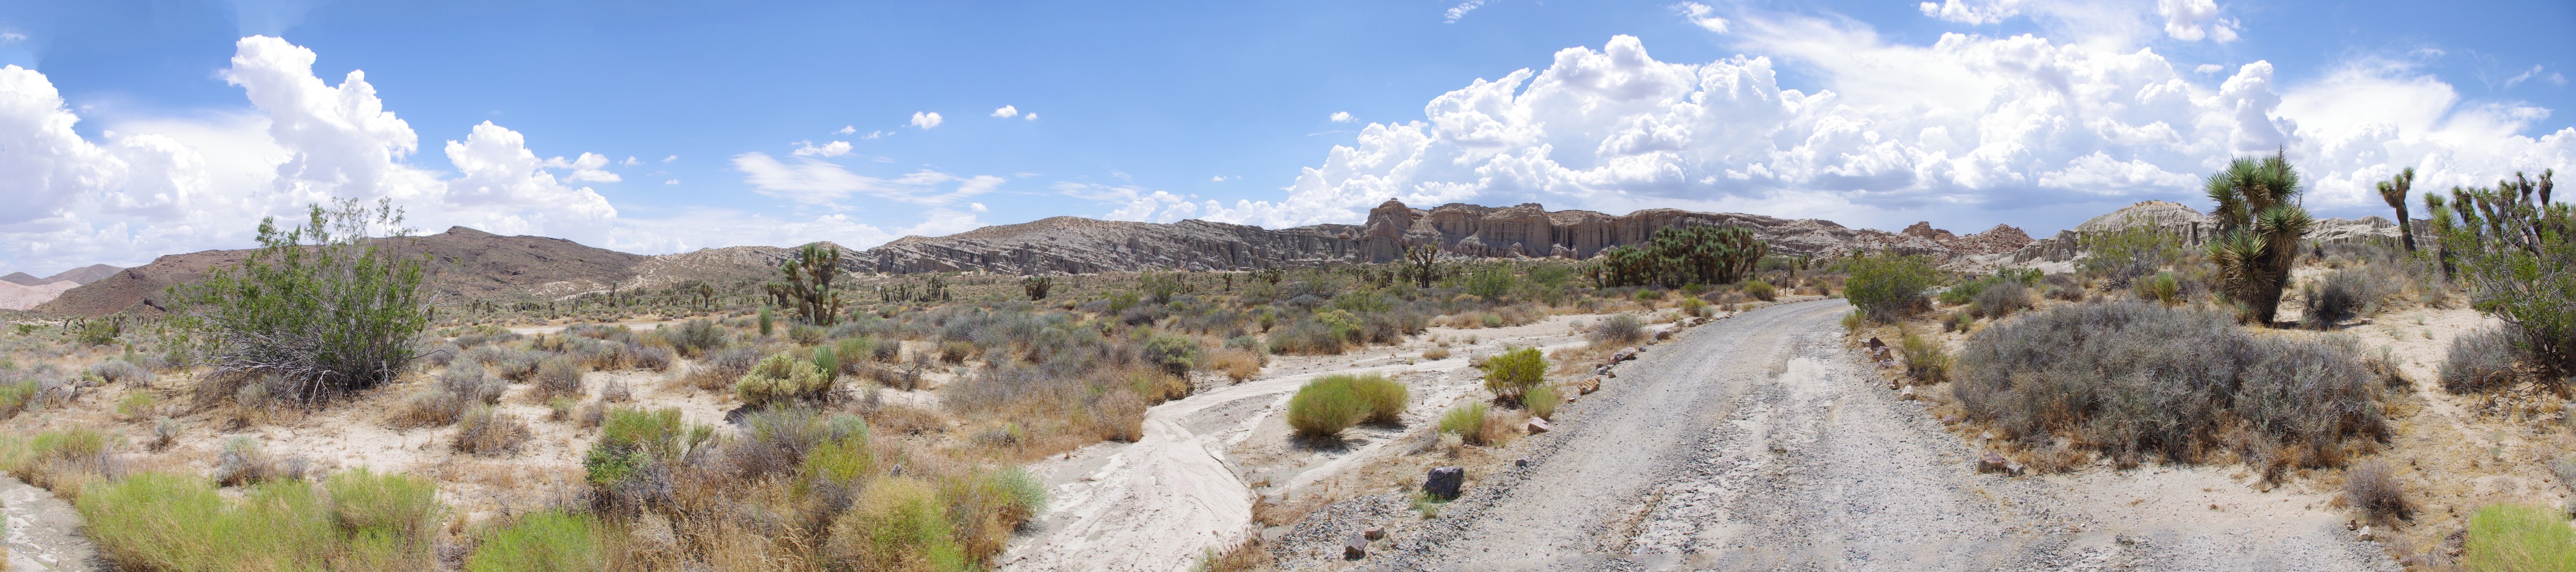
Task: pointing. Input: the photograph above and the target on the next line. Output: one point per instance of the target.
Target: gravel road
(1759, 443)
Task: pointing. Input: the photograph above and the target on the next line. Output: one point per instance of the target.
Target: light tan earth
(1189, 486)
(41, 533)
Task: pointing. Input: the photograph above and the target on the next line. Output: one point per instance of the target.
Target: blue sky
(188, 120)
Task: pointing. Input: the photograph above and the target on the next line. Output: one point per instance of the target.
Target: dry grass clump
(722, 369)
(2346, 294)
(2001, 299)
(243, 463)
(1322, 410)
(2372, 487)
(1618, 330)
(461, 387)
(65, 462)
(119, 371)
(1476, 424)
(2480, 361)
(1434, 354)
(550, 540)
(556, 377)
(1925, 361)
(2131, 379)
(1238, 364)
(484, 431)
(1541, 401)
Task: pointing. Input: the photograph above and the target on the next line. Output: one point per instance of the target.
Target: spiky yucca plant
(2260, 225)
(2394, 190)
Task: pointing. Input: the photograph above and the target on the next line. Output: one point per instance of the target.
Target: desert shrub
(484, 431)
(696, 337)
(15, 396)
(652, 357)
(357, 521)
(1542, 401)
(547, 541)
(1959, 321)
(1888, 287)
(243, 463)
(2482, 360)
(1237, 364)
(1324, 407)
(1618, 329)
(556, 377)
(855, 352)
(987, 505)
(724, 368)
(1761, 290)
(324, 305)
(1385, 396)
(1693, 306)
(897, 524)
(2373, 488)
(2343, 295)
(2136, 249)
(956, 352)
(137, 405)
(2064, 287)
(1925, 361)
(2518, 538)
(2001, 299)
(2163, 288)
(1489, 281)
(1177, 355)
(2131, 378)
(1465, 421)
(117, 371)
(1306, 337)
(1512, 374)
(781, 378)
(1436, 353)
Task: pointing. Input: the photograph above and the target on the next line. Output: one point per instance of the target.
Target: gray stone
(1357, 547)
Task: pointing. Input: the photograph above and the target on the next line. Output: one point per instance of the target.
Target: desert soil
(1760, 442)
(40, 533)
(1190, 484)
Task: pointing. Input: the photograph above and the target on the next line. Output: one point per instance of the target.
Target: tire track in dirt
(1760, 443)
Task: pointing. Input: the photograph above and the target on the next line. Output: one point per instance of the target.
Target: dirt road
(1758, 443)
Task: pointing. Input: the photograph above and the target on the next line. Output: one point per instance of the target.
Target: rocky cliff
(2194, 229)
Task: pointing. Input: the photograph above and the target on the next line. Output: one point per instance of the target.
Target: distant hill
(76, 276)
(1080, 245)
(475, 264)
(464, 262)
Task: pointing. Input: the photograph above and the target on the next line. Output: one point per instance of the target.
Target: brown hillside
(464, 262)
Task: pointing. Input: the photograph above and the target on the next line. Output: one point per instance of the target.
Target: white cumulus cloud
(1967, 131)
(925, 119)
(2192, 20)
(833, 149)
(1341, 117)
(1706, 18)
(1007, 112)
(846, 129)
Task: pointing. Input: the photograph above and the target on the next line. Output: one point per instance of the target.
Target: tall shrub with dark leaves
(324, 309)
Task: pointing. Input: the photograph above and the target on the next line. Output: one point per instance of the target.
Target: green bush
(1888, 287)
(2516, 538)
(1924, 358)
(1512, 374)
(1760, 290)
(1490, 282)
(1467, 422)
(158, 521)
(549, 541)
(2121, 256)
(1177, 355)
(1542, 401)
(897, 524)
(15, 396)
(326, 306)
(1324, 407)
(781, 378)
(1384, 396)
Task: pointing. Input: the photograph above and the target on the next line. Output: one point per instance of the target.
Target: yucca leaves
(2260, 226)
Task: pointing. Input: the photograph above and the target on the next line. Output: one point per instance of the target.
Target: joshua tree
(1421, 258)
(2394, 190)
(2260, 224)
(1037, 287)
(808, 288)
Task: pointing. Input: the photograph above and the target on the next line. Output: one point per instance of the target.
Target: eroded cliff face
(1078, 245)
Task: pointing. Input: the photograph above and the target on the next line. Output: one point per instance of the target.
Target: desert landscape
(1471, 285)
